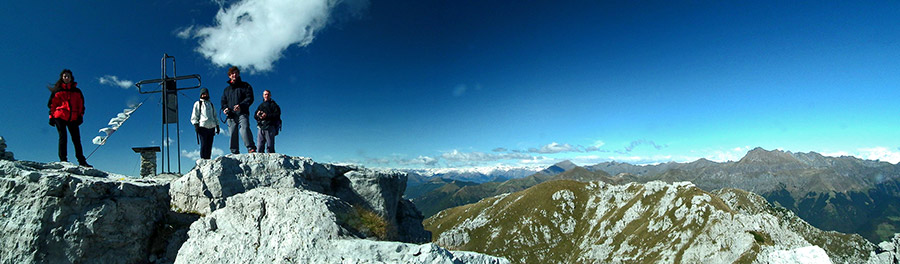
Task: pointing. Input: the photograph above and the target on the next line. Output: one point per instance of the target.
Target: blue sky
(474, 83)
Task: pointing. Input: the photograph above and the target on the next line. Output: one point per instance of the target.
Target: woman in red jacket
(66, 111)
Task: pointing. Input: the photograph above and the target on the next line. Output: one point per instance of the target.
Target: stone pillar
(5, 155)
(148, 160)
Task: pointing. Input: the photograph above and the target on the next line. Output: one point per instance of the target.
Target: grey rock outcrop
(212, 183)
(5, 155)
(289, 225)
(62, 213)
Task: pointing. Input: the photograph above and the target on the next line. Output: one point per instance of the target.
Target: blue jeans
(244, 130)
(266, 136)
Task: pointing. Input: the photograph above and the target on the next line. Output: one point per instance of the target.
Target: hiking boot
(84, 163)
(251, 150)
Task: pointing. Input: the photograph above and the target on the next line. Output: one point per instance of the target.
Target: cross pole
(169, 90)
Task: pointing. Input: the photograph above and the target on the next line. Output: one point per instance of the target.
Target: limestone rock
(211, 184)
(62, 213)
(285, 225)
(804, 255)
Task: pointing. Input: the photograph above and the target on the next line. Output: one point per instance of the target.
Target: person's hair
(270, 92)
(233, 69)
(59, 82)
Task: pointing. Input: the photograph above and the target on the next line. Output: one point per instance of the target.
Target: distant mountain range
(567, 221)
(475, 174)
(844, 194)
(440, 194)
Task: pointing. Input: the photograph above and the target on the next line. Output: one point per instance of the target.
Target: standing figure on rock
(268, 121)
(66, 112)
(206, 124)
(236, 101)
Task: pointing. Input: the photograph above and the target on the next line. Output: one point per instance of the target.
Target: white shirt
(204, 114)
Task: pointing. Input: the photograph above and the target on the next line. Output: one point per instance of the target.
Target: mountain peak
(760, 155)
(566, 164)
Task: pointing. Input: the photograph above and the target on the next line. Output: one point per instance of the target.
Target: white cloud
(880, 153)
(253, 34)
(554, 148)
(421, 160)
(114, 80)
(457, 156)
(185, 33)
(195, 154)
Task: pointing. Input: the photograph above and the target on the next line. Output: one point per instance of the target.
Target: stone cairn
(5, 155)
(148, 160)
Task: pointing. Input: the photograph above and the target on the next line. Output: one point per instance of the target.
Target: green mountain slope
(455, 195)
(575, 222)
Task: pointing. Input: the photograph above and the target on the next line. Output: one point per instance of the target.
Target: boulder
(212, 183)
(62, 213)
(290, 225)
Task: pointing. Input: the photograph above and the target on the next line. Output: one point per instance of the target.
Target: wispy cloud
(114, 80)
(195, 154)
(253, 34)
(880, 153)
(637, 143)
(468, 157)
(421, 160)
(555, 148)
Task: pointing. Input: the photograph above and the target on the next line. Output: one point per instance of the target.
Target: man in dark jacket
(268, 120)
(236, 101)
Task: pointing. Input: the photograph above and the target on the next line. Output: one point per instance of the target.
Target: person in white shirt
(205, 123)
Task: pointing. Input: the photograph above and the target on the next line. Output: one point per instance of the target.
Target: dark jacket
(238, 93)
(66, 103)
(273, 115)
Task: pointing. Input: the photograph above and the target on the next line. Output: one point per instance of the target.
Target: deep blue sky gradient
(409, 79)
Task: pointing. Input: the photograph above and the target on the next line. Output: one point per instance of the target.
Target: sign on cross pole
(169, 89)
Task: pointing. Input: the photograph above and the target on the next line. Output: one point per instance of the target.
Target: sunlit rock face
(252, 208)
(62, 213)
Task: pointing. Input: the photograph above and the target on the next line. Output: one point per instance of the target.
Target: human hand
(237, 108)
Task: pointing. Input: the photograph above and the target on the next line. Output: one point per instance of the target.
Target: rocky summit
(251, 208)
(576, 222)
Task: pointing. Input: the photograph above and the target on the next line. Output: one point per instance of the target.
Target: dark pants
(61, 127)
(206, 141)
(265, 139)
(240, 126)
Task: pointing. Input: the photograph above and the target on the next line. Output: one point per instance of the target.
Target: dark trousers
(265, 139)
(206, 141)
(61, 127)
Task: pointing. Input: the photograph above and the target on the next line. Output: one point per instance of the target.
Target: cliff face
(234, 209)
(61, 213)
(576, 222)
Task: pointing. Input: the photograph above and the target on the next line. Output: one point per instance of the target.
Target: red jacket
(67, 103)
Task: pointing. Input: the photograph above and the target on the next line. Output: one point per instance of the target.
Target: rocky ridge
(845, 194)
(575, 222)
(237, 209)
